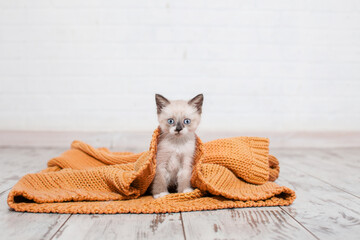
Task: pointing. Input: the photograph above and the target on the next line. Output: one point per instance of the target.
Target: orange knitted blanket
(228, 173)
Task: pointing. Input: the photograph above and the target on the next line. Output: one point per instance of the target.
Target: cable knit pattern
(227, 173)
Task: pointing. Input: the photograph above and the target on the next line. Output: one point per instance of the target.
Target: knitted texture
(227, 173)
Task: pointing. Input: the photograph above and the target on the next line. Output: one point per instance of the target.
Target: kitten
(178, 120)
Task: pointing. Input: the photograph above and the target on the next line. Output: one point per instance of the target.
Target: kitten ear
(161, 102)
(197, 102)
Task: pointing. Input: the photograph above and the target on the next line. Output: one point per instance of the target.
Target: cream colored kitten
(178, 121)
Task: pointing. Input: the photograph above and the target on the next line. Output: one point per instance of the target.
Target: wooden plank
(18, 225)
(349, 157)
(246, 223)
(122, 226)
(16, 162)
(326, 211)
(338, 167)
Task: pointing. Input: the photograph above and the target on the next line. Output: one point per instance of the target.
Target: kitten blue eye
(171, 121)
(187, 121)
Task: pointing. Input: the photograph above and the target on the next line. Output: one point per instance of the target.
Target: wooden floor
(326, 181)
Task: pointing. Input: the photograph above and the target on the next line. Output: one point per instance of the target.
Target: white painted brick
(191, 17)
(130, 85)
(172, 51)
(262, 65)
(77, 3)
(154, 4)
(12, 51)
(12, 16)
(281, 4)
(230, 4)
(11, 34)
(13, 4)
(332, 5)
(326, 20)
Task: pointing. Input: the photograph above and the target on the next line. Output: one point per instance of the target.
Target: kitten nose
(178, 127)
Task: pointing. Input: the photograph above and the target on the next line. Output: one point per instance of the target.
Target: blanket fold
(227, 173)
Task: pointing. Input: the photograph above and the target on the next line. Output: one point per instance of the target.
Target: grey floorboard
(245, 223)
(326, 211)
(123, 226)
(326, 182)
(338, 167)
(19, 225)
(16, 162)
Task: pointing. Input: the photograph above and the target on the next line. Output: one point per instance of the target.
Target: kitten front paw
(186, 190)
(162, 194)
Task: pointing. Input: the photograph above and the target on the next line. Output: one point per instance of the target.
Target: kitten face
(179, 117)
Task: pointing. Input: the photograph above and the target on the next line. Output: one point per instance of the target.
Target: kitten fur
(176, 146)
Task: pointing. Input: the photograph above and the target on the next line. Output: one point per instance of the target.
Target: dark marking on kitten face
(179, 127)
(197, 102)
(161, 102)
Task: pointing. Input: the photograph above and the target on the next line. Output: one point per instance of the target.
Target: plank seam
(182, 224)
(60, 227)
(299, 223)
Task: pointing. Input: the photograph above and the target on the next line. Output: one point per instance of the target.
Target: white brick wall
(263, 65)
